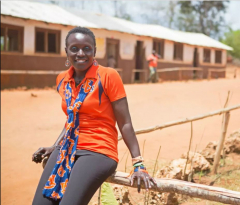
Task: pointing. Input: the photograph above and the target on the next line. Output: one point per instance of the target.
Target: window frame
(205, 50)
(216, 60)
(46, 31)
(20, 30)
(157, 41)
(178, 45)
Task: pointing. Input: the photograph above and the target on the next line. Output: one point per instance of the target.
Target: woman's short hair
(82, 30)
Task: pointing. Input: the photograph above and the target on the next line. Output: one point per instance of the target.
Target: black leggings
(90, 170)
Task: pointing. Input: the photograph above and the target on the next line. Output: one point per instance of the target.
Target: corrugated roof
(42, 12)
(54, 14)
(155, 31)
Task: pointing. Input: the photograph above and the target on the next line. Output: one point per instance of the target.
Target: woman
(93, 98)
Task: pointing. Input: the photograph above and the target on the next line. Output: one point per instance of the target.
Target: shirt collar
(91, 73)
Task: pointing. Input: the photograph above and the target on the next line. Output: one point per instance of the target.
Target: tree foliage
(203, 16)
(232, 38)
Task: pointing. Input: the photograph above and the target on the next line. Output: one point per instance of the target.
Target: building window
(206, 55)
(218, 56)
(47, 41)
(158, 46)
(11, 38)
(178, 51)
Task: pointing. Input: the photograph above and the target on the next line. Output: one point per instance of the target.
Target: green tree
(203, 16)
(232, 38)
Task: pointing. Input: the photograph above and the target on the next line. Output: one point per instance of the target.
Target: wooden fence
(164, 70)
(188, 188)
(180, 70)
(214, 70)
(182, 187)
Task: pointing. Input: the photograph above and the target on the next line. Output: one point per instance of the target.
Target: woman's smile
(81, 60)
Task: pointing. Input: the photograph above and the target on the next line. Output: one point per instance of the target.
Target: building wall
(168, 60)
(29, 34)
(30, 60)
(206, 66)
(212, 61)
(127, 44)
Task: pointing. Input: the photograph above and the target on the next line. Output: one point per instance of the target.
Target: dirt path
(30, 122)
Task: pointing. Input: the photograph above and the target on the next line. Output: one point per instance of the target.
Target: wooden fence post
(221, 142)
(180, 75)
(235, 73)
(209, 74)
(133, 76)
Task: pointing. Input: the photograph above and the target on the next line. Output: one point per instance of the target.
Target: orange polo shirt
(153, 61)
(97, 121)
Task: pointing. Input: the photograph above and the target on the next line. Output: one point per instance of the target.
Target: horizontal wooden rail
(138, 71)
(32, 72)
(177, 69)
(210, 70)
(217, 70)
(182, 187)
(118, 69)
(185, 120)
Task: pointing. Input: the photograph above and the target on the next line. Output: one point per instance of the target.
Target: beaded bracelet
(138, 168)
(138, 164)
(137, 159)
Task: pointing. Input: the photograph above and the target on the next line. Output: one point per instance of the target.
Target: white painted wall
(127, 42)
(168, 50)
(224, 57)
(188, 53)
(29, 34)
(212, 61)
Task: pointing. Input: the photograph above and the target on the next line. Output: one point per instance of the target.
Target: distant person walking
(152, 65)
(111, 62)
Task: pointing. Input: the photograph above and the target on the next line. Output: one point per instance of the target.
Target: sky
(137, 8)
(233, 16)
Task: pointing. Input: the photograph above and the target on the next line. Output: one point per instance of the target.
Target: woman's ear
(66, 50)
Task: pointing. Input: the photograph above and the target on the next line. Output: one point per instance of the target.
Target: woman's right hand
(41, 153)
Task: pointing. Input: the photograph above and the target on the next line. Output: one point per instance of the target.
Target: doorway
(195, 58)
(195, 62)
(112, 53)
(139, 53)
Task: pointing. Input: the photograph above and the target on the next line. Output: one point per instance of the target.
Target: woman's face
(80, 50)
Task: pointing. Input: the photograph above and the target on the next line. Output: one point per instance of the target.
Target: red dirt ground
(30, 122)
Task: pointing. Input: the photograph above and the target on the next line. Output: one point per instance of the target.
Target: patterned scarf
(58, 180)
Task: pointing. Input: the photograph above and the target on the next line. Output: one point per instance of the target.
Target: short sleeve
(114, 86)
(59, 80)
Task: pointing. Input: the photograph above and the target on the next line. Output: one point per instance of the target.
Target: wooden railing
(180, 70)
(188, 188)
(182, 187)
(144, 73)
(210, 70)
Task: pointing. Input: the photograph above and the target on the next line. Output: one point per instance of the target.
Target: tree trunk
(182, 187)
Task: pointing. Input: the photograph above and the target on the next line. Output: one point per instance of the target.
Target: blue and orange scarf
(58, 180)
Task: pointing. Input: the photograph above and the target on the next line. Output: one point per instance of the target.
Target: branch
(185, 120)
(182, 187)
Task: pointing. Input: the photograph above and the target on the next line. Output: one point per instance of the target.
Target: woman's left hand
(142, 175)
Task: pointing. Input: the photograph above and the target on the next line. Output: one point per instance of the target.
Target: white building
(33, 41)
